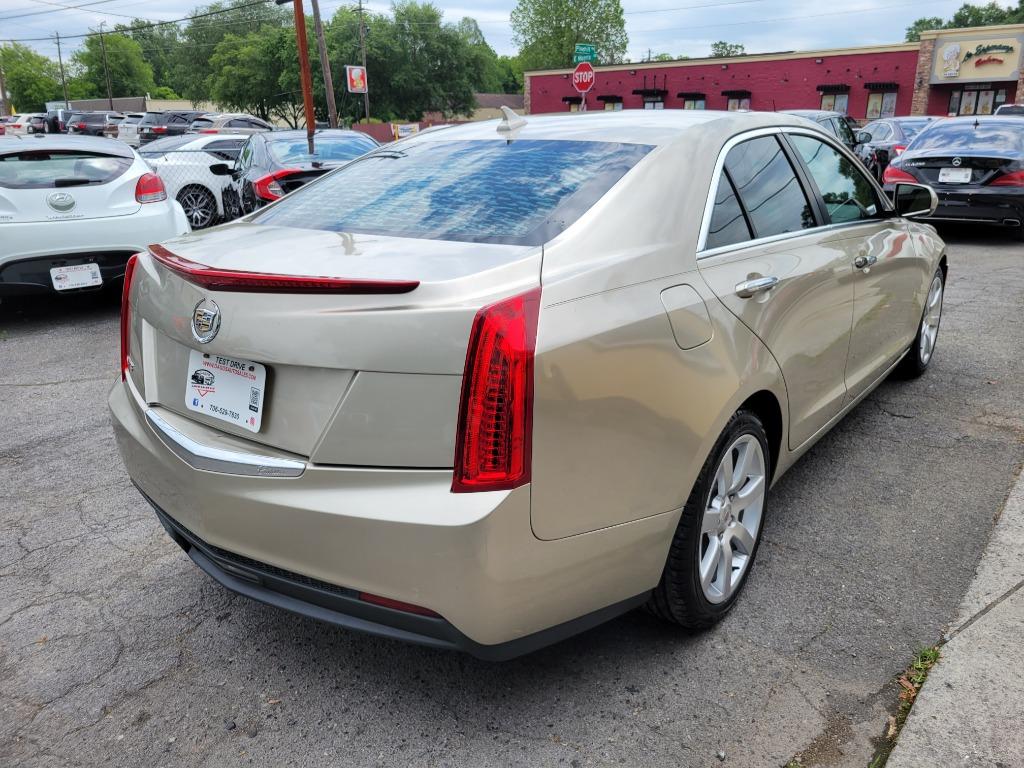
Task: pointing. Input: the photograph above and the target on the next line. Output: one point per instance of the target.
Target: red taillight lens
(894, 175)
(495, 432)
(126, 320)
(80, 126)
(262, 282)
(396, 605)
(1013, 179)
(150, 189)
(208, 130)
(267, 187)
(899, 149)
(159, 129)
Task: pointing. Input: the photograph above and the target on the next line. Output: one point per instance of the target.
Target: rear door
(59, 185)
(785, 276)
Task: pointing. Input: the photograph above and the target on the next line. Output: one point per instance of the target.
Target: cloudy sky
(662, 26)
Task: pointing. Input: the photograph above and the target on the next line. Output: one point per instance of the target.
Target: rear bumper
(1004, 207)
(30, 249)
(311, 543)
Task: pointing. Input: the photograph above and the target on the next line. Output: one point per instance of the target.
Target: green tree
(511, 70)
(161, 47)
(721, 49)
(485, 70)
(968, 15)
(547, 31)
(248, 71)
(130, 74)
(929, 22)
(32, 79)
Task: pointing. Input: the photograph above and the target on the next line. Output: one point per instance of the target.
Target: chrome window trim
(210, 459)
(716, 176)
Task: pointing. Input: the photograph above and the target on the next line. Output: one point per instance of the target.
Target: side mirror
(863, 137)
(221, 169)
(914, 201)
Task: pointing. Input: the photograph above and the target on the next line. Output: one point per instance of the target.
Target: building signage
(964, 60)
(584, 52)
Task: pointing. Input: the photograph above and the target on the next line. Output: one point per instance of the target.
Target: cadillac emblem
(61, 202)
(205, 321)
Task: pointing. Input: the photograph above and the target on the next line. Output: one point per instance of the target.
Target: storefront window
(985, 101)
(881, 105)
(612, 106)
(828, 101)
(954, 103)
(694, 104)
(842, 104)
(968, 102)
(735, 104)
(653, 104)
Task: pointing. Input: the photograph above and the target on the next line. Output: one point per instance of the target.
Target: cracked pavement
(116, 650)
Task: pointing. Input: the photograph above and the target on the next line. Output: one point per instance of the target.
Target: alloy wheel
(930, 321)
(732, 519)
(199, 206)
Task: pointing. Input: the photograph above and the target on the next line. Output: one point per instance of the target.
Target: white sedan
(183, 162)
(73, 209)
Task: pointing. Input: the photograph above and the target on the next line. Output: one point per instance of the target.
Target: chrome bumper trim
(199, 456)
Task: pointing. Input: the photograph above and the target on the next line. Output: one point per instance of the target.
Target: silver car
(493, 385)
(229, 122)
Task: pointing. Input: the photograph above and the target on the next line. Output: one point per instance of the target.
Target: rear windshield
(131, 119)
(971, 134)
(151, 118)
(201, 123)
(519, 193)
(911, 128)
(326, 149)
(42, 169)
(94, 118)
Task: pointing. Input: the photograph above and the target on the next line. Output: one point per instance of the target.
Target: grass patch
(910, 682)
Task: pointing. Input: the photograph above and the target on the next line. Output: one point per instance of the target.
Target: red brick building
(958, 71)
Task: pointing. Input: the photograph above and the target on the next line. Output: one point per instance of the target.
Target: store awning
(834, 88)
(736, 94)
(572, 99)
(882, 86)
(651, 93)
(691, 96)
(610, 98)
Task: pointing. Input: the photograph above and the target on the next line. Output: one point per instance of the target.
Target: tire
(922, 349)
(200, 206)
(682, 597)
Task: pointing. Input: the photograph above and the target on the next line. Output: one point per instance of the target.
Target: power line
(54, 10)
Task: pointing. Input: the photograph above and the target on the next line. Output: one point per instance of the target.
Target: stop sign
(583, 77)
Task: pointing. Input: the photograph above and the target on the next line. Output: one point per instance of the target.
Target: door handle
(863, 262)
(748, 288)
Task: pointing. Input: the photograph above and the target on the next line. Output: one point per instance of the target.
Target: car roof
(633, 126)
(812, 113)
(185, 141)
(70, 142)
(301, 133)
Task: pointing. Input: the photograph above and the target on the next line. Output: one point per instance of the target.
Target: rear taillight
(894, 175)
(159, 129)
(1012, 179)
(207, 130)
(899, 149)
(80, 126)
(150, 189)
(126, 319)
(495, 431)
(268, 188)
(60, 125)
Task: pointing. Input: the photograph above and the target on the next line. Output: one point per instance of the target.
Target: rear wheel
(922, 349)
(200, 206)
(715, 543)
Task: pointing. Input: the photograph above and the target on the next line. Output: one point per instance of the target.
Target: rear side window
(224, 149)
(519, 193)
(843, 131)
(48, 170)
(768, 187)
(728, 225)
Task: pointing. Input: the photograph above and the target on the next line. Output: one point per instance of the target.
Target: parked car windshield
(326, 148)
(519, 193)
(1011, 109)
(971, 134)
(41, 169)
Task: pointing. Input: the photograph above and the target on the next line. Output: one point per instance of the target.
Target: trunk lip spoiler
(231, 280)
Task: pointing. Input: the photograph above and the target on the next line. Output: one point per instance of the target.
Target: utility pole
(106, 69)
(63, 80)
(325, 65)
(362, 46)
(4, 107)
(305, 77)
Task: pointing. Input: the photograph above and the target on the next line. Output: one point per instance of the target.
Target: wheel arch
(765, 405)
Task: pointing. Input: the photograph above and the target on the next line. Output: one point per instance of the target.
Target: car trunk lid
(956, 170)
(362, 368)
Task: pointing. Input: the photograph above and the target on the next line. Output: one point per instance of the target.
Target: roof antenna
(511, 123)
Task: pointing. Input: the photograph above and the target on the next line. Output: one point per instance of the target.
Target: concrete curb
(969, 712)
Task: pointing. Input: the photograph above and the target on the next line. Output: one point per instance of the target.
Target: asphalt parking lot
(116, 650)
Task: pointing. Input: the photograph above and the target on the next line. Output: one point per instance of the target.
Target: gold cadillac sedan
(492, 385)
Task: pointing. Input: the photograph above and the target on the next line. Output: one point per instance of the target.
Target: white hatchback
(73, 209)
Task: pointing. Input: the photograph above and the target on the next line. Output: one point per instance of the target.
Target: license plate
(76, 276)
(225, 388)
(954, 175)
